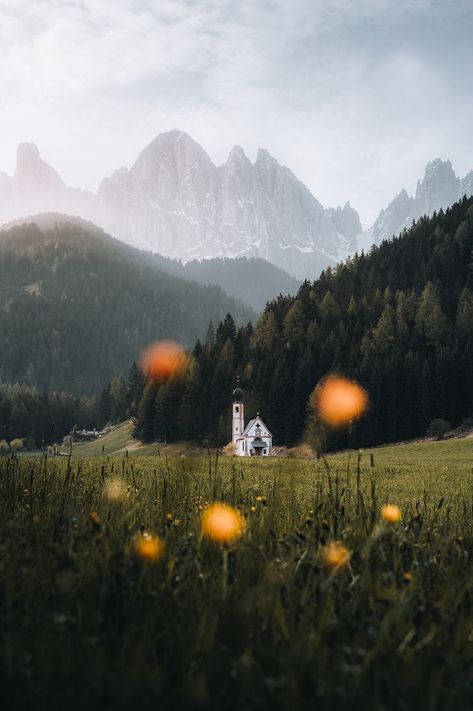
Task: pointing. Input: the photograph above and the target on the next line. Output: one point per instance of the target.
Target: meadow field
(112, 597)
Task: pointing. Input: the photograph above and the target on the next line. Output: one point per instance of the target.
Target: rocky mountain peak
(33, 173)
(438, 189)
(264, 159)
(347, 221)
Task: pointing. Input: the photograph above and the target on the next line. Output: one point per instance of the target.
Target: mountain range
(174, 201)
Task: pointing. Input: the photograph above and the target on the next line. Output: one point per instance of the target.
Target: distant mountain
(253, 281)
(77, 306)
(440, 188)
(174, 201)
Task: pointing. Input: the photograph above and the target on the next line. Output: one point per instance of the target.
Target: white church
(254, 440)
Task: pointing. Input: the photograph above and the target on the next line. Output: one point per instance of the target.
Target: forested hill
(399, 320)
(76, 306)
(252, 280)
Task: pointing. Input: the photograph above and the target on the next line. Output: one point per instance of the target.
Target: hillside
(253, 281)
(77, 306)
(399, 320)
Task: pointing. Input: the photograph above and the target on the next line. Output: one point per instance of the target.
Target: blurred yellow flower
(338, 401)
(335, 555)
(163, 360)
(149, 548)
(391, 513)
(222, 523)
(115, 490)
(95, 520)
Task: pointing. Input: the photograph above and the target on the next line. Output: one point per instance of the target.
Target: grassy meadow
(268, 623)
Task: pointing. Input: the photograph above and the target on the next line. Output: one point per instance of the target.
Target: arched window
(237, 409)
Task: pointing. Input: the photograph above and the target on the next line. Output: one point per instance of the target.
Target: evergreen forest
(398, 320)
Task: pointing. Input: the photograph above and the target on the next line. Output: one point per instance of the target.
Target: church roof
(252, 422)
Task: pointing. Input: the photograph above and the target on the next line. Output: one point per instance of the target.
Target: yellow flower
(391, 513)
(222, 523)
(149, 548)
(338, 401)
(95, 520)
(335, 555)
(115, 490)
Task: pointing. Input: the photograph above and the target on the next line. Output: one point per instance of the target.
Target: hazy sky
(355, 96)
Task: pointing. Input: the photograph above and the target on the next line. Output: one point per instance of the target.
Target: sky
(355, 96)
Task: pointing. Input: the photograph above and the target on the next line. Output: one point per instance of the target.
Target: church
(254, 440)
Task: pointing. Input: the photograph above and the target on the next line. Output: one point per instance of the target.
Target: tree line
(398, 320)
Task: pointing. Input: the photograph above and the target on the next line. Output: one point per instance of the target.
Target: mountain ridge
(439, 189)
(77, 306)
(174, 201)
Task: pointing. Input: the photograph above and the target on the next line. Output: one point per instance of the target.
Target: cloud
(354, 97)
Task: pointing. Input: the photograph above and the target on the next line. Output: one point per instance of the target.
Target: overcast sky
(355, 96)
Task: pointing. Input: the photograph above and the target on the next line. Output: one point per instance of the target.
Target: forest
(398, 320)
(76, 306)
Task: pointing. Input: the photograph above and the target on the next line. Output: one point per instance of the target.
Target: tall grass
(85, 623)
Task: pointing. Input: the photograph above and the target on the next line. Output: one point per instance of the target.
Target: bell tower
(238, 416)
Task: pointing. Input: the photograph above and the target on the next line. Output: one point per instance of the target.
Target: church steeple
(238, 392)
(238, 415)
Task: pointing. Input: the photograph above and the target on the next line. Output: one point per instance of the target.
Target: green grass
(111, 443)
(85, 624)
(449, 452)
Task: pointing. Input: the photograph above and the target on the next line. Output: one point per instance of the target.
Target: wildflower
(162, 360)
(222, 523)
(149, 548)
(115, 490)
(338, 401)
(335, 555)
(391, 513)
(95, 520)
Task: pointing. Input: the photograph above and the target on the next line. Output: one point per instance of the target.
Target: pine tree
(144, 429)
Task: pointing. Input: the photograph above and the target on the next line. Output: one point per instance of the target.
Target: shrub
(438, 428)
(467, 423)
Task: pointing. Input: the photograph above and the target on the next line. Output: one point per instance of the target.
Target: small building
(254, 440)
